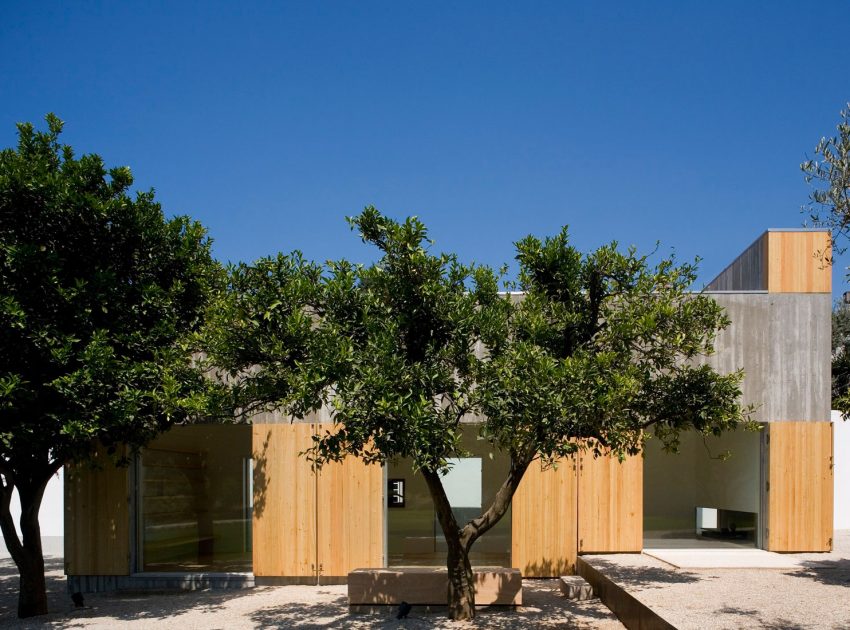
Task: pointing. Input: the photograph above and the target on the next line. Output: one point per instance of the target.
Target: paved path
(814, 595)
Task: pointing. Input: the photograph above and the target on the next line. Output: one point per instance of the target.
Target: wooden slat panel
(610, 504)
(543, 521)
(350, 517)
(794, 264)
(799, 499)
(284, 501)
(97, 526)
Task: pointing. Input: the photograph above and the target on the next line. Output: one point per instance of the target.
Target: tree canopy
(99, 293)
(591, 351)
(829, 175)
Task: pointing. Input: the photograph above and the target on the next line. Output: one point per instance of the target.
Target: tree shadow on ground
(543, 607)
(645, 576)
(744, 618)
(121, 606)
(828, 572)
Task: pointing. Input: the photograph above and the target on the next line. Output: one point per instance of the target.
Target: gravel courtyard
(278, 607)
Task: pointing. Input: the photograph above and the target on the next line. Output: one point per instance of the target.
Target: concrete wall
(782, 341)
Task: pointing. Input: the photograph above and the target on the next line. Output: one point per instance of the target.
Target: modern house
(236, 505)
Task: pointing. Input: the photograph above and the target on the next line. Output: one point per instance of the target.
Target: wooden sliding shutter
(610, 504)
(799, 486)
(284, 521)
(543, 521)
(97, 521)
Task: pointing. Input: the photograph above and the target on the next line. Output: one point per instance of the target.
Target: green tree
(98, 294)
(841, 358)
(405, 351)
(829, 176)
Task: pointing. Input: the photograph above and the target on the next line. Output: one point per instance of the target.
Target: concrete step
(575, 587)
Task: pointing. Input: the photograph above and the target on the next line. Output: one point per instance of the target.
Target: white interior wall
(674, 485)
(841, 471)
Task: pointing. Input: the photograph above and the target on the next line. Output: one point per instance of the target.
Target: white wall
(50, 517)
(841, 471)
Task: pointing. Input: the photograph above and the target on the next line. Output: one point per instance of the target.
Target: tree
(829, 176)
(841, 358)
(404, 351)
(829, 207)
(98, 294)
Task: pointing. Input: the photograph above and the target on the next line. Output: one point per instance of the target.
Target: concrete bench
(429, 586)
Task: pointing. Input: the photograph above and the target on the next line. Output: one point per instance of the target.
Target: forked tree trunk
(27, 553)
(461, 595)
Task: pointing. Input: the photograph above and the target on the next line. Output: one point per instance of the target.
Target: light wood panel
(610, 504)
(799, 494)
(97, 522)
(543, 521)
(795, 265)
(350, 517)
(284, 520)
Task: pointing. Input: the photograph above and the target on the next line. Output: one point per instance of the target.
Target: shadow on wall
(548, 569)
(261, 476)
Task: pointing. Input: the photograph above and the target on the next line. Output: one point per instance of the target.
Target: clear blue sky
(682, 122)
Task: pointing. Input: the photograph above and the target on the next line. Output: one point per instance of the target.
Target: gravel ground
(816, 595)
(279, 607)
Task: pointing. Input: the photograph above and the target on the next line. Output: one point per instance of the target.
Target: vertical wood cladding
(780, 261)
(350, 517)
(610, 504)
(97, 522)
(544, 523)
(795, 262)
(306, 521)
(800, 477)
(284, 518)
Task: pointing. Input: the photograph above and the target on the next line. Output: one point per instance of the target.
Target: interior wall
(676, 484)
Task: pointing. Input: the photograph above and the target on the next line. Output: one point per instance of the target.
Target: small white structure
(841, 471)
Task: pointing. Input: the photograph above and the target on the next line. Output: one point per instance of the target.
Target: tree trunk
(461, 579)
(461, 595)
(461, 582)
(27, 553)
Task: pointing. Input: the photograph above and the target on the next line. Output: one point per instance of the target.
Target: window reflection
(195, 500)
(414, 537)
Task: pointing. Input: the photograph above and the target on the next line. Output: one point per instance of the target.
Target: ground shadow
(121, 606)
(829, 572)
(745, 618)
(644, 576)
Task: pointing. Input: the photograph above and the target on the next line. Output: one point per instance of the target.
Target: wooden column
(97, 525)
(543, 521)
(799, 480)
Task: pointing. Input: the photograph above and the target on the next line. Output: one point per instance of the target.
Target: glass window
(414, 536)
(195, 500)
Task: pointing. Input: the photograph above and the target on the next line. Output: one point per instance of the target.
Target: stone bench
(575, 587)
(429, 586)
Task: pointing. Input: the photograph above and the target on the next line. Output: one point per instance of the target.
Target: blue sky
(682, 122)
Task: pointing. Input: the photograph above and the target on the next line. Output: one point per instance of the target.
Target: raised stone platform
(429, 586)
